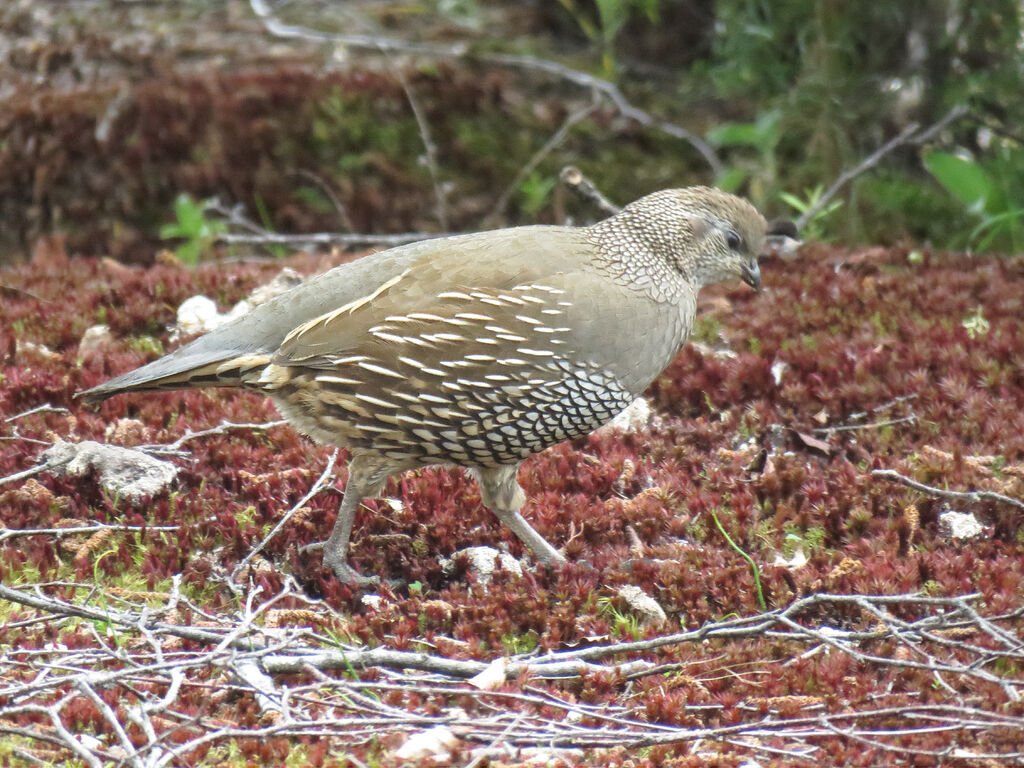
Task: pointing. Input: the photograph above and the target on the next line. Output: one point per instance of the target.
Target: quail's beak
(752, 275)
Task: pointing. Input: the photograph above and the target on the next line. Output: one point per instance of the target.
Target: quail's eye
(732, 239)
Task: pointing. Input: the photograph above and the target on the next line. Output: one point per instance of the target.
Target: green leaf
(964, 179)
(794, 201)
(734, 135)
(731, 179)
(762, 134)
(168, 231)
(613, 14)
(189, 213)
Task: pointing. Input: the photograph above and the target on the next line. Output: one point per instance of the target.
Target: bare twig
(25, 474)
(41, 682)
(45, 408)
(873, 425)
(429, 147)
(10, 533)
(325, 476)
(909, 135)
(573, 178)
(608, 90)
(221, 429)
(972, 496)
(331, 238)
(556, 140)
(343, 216)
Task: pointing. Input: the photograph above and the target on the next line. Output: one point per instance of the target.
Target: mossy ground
(867, 339)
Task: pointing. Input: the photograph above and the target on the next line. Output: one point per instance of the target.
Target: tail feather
(227, 354)
(184, 372)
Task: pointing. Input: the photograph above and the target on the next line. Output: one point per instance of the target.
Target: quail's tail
(184, 369)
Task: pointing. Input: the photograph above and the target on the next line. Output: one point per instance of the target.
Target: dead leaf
(492, 676)
(810, 441)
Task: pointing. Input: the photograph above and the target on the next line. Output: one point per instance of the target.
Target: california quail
(477, 350)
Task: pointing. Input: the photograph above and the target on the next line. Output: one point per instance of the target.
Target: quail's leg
(502, 494)
(364, 479)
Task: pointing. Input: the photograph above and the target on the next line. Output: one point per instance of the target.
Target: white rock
(22, 347)
(633, 418)
(197, 314)
(551, 757)
(482, 562)
(798, 560)
(94, 337)
(374, 602)
(241, 308)
(779, 367)
(960, 526)
(642, 603)
(438, 742)
(285, 280)
(123, 472)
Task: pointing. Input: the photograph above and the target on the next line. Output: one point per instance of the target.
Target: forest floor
(807, 549)
(768, 469)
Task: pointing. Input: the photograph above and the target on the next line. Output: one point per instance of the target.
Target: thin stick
(556, 140)
(888, 474)
(331, 238)
(573, 178)
(908, 135)
(441, 201)
(313, 491)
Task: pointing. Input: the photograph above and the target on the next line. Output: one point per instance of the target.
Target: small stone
(798, 560)
(960, 526)
(41, 351)
(94, 337)
(779, 367)
(634, 418)
(551, 757)
(373, 602)
(492, 676)
(285, 280)
(197, 314)
(123, 472)
(642, 604)
(482, 562)
(438, 742)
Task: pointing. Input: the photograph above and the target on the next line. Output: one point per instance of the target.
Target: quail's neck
(639, 253)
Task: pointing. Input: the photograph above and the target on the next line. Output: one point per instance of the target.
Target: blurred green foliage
(826, 82)
(988, 192)
(790, 94)
(602, 21)
(193, 226)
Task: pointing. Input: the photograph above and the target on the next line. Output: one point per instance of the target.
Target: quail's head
(706, 234)
(728, 236)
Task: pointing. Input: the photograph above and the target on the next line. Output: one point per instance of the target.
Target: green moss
(147, 344)
(516, 644)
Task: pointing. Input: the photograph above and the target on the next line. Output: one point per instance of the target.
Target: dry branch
(44, 681)
(609, 91)
(909, 135)
(971, 496)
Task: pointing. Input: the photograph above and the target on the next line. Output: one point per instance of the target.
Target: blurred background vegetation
(117, 120)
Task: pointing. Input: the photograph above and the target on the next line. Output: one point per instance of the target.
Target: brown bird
(477, 350)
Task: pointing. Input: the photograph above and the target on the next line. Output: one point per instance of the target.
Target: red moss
(848, 351)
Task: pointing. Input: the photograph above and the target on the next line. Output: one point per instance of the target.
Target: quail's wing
(487, 292)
